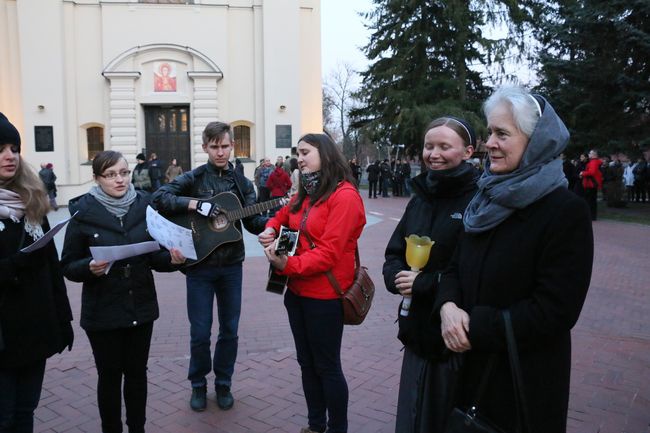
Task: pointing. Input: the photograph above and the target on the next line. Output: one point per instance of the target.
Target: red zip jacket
(592, 174)
(279, 182)
(334, 226)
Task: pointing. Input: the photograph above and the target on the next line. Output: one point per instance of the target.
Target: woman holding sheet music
(118, 300)
(330, 215)
(34, 309)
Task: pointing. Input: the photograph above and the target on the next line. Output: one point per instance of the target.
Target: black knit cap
(8, 132)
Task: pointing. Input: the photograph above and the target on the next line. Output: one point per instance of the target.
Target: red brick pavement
(610, 390)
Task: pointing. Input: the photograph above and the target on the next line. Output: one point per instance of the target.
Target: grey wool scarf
(539, 173)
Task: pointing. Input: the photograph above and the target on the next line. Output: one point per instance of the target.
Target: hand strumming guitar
(267, 237)
(207, 209)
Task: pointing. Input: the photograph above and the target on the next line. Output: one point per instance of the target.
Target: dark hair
(293, 164)
(463, 129)
(104, 160)
(215, 131)
(333, 168)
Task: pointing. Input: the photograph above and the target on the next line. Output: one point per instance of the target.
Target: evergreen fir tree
(595, 69)
(421, 52)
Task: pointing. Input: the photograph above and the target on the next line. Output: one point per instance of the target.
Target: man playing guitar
(219, 273)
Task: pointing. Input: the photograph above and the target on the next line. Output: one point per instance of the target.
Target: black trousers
(317, 328)
(122, 353)
(591, 196)
(20, 391)
(372, 189)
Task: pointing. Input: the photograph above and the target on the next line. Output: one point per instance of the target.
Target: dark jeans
(155, 184)
(591, 196)
(640, 191)
(385, 182)
(317, 327)
(20, 391)
(122, 353)
(372, 189)
(203, 284)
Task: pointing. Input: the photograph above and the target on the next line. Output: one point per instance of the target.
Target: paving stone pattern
(610, 388)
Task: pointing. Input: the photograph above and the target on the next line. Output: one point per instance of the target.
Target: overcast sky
(343, 33)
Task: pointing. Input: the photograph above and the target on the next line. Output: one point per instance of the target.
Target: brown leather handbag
(358, 298)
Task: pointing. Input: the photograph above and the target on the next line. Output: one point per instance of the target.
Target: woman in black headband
(436, 210)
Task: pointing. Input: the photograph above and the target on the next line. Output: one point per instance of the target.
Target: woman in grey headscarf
(528, 248)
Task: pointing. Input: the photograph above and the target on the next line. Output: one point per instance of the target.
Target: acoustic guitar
(285, 244)
(276, 283)
(209, 233)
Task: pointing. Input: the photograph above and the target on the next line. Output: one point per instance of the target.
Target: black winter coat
(126, 296)
(537, 263)
(437, 213)
(204, 182)
(35, 312)
(373, 172)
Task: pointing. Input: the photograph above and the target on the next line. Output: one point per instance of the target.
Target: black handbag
(470, 420)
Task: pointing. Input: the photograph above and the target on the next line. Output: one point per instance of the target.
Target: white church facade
(81, 76)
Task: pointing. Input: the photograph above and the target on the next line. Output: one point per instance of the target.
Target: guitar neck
(254, 209)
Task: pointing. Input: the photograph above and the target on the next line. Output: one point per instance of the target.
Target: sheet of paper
(170, 235)
(119, 252)
(40, 243)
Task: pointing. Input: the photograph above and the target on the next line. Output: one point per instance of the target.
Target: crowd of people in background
(526, 174)
(620, 180)
(613, 178)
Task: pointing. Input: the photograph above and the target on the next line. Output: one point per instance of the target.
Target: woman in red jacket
(278, 183)
(329, 213)
(592, 181)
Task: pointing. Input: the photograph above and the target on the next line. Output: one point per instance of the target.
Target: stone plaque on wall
(44, 138)
(283, 136)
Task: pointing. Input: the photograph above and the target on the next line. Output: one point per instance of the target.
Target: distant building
(81, 76)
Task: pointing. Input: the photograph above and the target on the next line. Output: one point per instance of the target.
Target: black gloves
(207, 209)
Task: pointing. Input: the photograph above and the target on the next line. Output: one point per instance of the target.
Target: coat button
(130, 292)
(96, 235)
(135, 322)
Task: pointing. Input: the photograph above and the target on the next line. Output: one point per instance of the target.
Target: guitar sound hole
(219, 222)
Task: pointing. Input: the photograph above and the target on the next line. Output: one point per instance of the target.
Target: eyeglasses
(112, 174)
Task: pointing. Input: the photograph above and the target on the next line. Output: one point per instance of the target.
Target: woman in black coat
(118, 304)
(35, 313)
(528, 248)
(441, 195)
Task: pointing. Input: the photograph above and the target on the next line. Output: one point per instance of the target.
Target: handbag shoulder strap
(523, 419)
(482, 385)
(330, 276)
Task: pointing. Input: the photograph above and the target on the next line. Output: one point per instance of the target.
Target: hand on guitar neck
(213, 221)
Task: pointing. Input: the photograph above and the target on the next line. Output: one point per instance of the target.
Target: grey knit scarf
(539, 173)
(116, 206)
